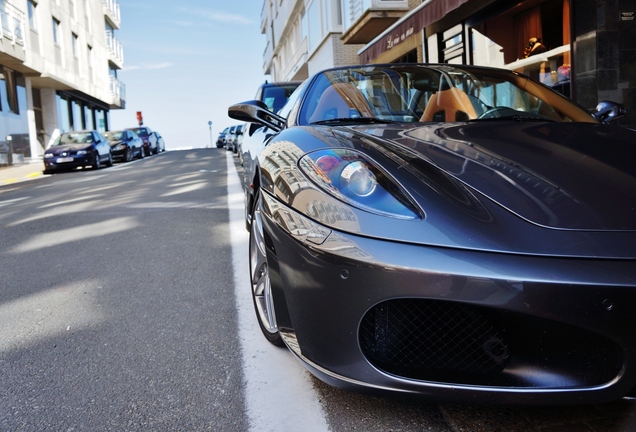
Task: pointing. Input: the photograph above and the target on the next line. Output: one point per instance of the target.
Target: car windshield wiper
(362, 120)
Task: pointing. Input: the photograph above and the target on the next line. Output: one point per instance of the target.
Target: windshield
(275, 96)
(140, 131)
(74, 138)
(421, 93)
(114, 136)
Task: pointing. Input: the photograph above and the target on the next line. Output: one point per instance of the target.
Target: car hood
(69, 147)
(569, 176)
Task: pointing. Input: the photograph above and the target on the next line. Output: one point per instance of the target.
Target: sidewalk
(20, 172)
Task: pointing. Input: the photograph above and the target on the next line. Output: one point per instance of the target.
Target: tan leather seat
(449, 105)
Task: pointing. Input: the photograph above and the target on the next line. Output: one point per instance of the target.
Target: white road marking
(278, 391)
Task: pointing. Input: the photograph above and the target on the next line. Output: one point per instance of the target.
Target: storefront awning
(412, 23)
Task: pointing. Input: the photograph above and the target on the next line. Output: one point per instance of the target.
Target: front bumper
(68, 162)
(119, 152)
(448, 324)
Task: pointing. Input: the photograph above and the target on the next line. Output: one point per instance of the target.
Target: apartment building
(58, 61)
(587, 46)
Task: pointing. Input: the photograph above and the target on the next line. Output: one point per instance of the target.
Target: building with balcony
(58, 69)
(305, 36)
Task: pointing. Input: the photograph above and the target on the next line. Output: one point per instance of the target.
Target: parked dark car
(237, 137)
(149, 140)
(78, 149)
(274, 95)
(229, 138)
(125, 145)
(458, 233)
(161, 145)
(220, 141)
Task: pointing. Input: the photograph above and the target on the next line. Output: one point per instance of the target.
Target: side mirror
(608, 111)
(256, 111)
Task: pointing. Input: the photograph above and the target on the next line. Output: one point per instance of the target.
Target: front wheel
(260, 280)
(129, 155)
(97, 163)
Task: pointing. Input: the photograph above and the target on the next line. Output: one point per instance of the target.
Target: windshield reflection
(420, 93)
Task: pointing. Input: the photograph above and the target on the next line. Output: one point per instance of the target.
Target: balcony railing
(117, 89)
(115, 48)
(355, 9)
(13, 24)
(111, 9)
(365, 19)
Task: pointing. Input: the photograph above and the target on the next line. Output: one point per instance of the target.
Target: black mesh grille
(429, 339)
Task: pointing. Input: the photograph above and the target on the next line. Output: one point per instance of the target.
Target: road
(124, 306)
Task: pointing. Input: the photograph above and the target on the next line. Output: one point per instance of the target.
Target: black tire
(109, 162)
(97, 163)
(129, 155)
(142, 153)
(260, 282)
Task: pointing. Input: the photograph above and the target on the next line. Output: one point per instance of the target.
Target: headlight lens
(120, 147)
(81, 152)
(48, 155)
(355, 179)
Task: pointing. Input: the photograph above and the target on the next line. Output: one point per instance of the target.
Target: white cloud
(220, 16)
(149, 66)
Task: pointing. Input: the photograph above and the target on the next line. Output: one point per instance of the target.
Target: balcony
(363, 20)
(118, 93)
(112, 12)
(13, 25)
(115, 50)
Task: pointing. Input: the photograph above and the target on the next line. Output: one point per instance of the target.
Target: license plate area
(64, 160)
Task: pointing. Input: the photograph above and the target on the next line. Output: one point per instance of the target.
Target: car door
(102, 145)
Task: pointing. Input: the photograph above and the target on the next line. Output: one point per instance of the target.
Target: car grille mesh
(423, 339)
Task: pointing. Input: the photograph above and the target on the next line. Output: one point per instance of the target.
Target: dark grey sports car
(453, 232)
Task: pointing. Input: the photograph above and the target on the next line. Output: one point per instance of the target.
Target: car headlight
(81, 152)
(48, 155)
(120, 147)
(355, 179)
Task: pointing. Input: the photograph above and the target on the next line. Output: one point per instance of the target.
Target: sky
(185, 62)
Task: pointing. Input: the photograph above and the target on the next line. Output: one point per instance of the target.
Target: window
(31, 6)
(74, 44)
(56, 32)
(89, 56)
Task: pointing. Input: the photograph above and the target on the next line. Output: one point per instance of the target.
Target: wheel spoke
(261, 284)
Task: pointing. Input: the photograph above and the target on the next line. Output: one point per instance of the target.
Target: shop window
(452, 45)
(532, 38)
(409, 57)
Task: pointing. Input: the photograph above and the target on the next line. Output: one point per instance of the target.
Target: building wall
(66, 55)
(605, 54)
(304, 36)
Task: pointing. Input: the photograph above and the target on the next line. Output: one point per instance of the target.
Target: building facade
(586, 49)
(58, 62)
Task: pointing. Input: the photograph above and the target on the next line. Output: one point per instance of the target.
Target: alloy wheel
(260, 280)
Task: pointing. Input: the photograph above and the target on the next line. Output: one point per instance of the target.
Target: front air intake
(420, 339)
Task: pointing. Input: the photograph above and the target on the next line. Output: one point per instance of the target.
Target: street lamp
(210, 124)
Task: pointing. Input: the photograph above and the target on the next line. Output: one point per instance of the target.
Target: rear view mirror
(256, 111)
(608, 111)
